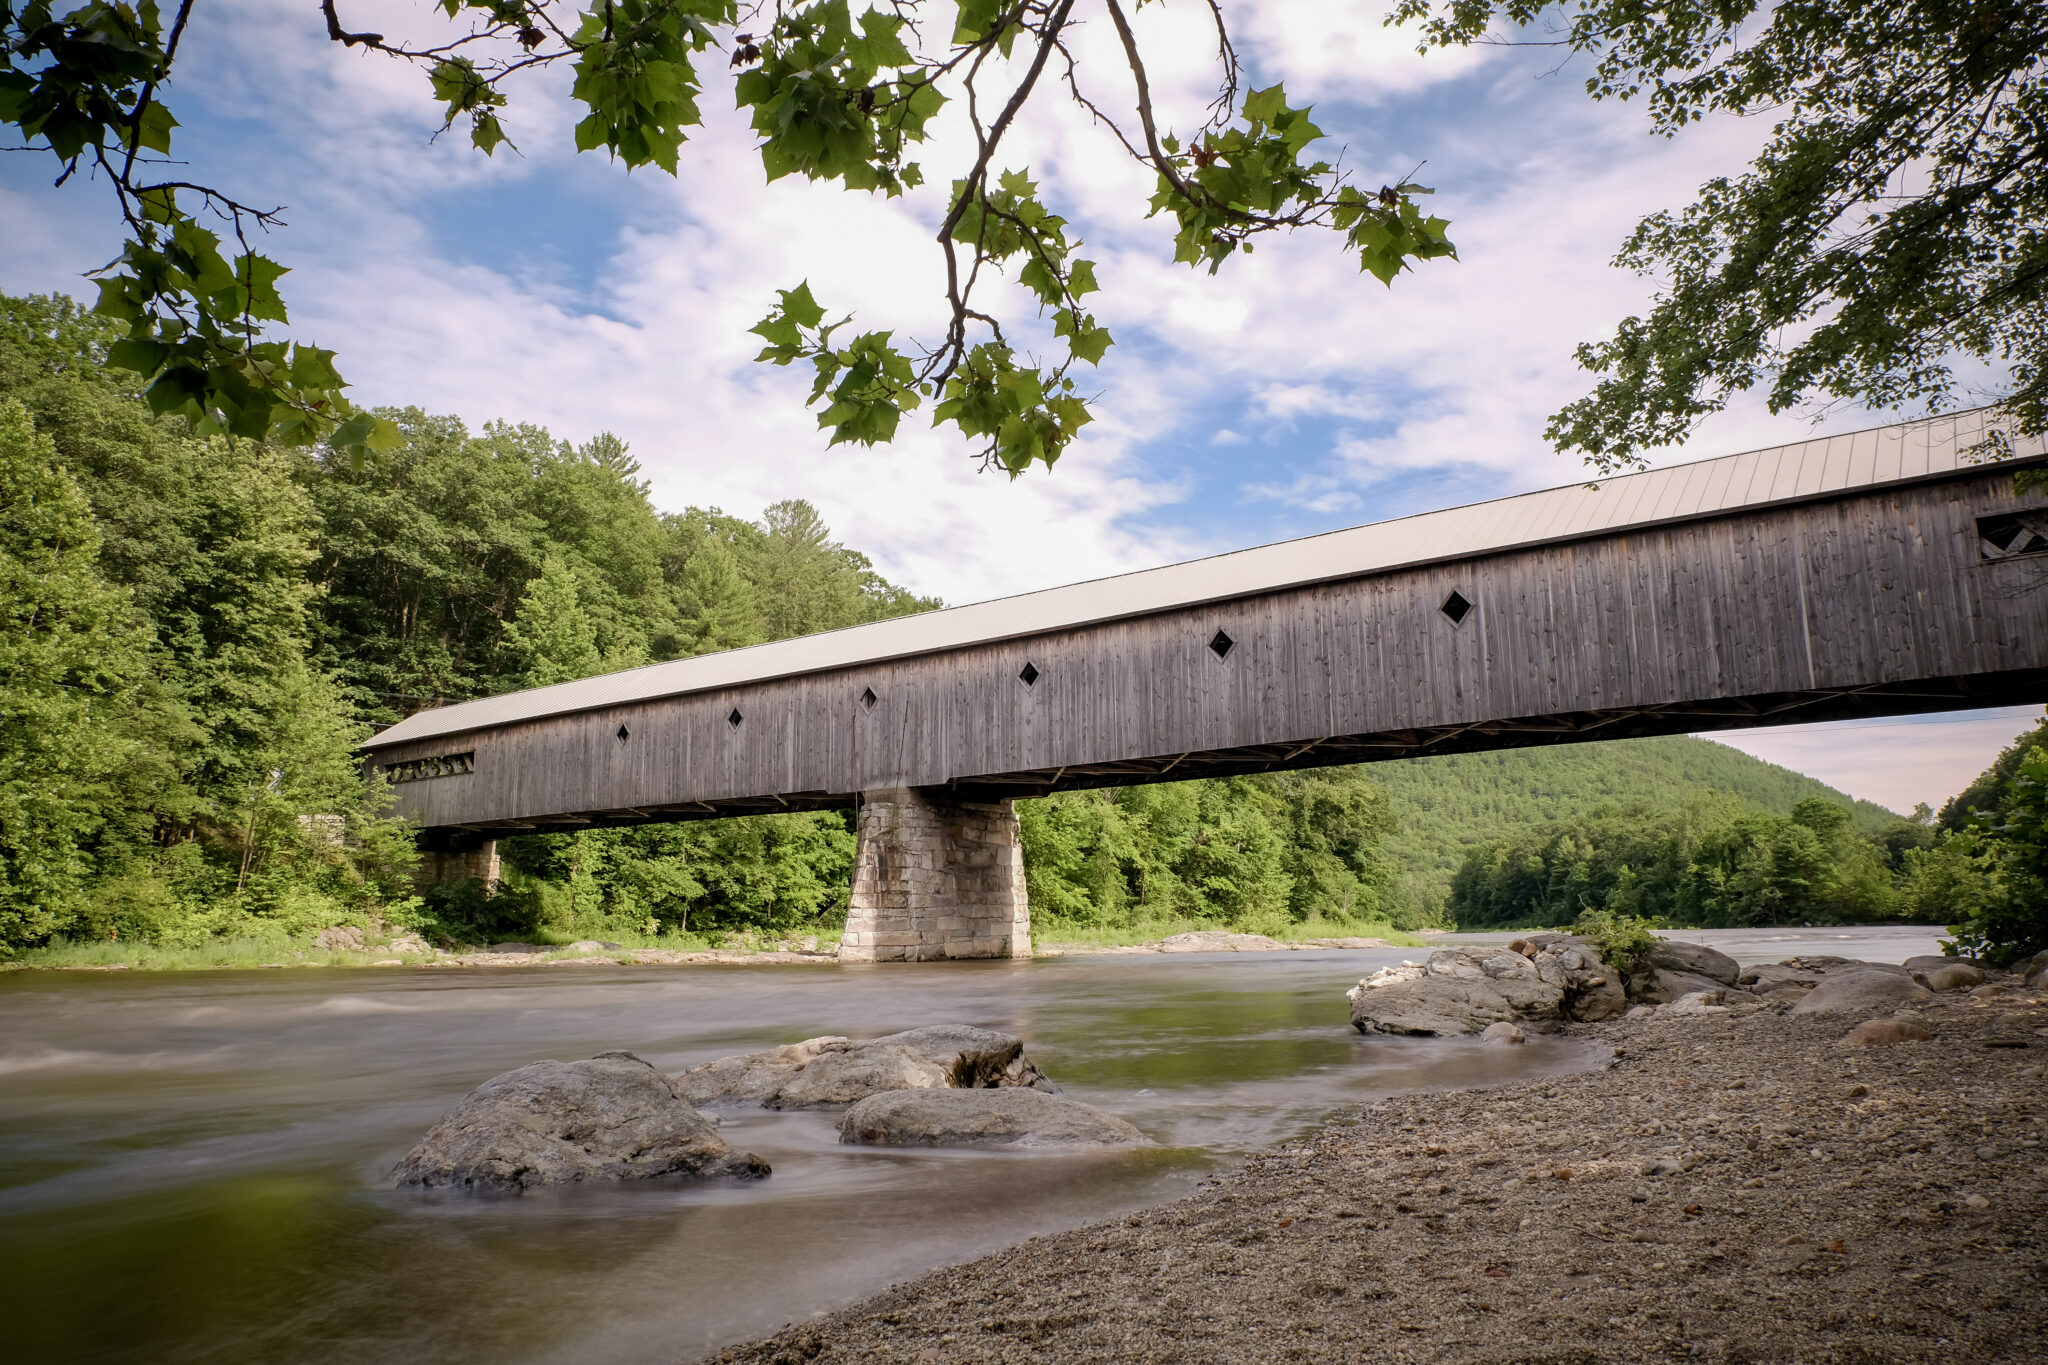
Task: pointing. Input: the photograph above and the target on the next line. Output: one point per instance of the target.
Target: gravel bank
(1734, 1187)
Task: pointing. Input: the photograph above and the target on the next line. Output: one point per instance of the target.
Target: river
(191, 1164)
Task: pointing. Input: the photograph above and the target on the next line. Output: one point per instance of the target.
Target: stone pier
(936, 877)
(456, 857)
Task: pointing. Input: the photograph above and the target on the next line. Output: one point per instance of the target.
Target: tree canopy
(835, 94)
(1888, 245)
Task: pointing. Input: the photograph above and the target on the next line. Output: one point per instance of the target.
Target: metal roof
(1680, 492)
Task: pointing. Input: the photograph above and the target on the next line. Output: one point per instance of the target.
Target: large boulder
(1927, 962)
(1950, 976)
(1410, 1000)
(1541, 978)
(2034, 971)
(1862, 992)
(1009, 1117)
(754, 1077)
(824, 1072)
(614, 1117)
(1592, 990)
(1766, 977)
(1696, 959)
(1662, 986)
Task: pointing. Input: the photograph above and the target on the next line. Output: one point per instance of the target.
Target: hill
(1448, 805)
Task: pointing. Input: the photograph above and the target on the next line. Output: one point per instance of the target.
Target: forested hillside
(1443, 808)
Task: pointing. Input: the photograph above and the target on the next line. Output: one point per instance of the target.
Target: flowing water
(191, 1164)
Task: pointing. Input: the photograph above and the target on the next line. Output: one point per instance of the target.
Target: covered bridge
(1869, 574)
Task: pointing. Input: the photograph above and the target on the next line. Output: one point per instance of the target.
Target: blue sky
(1288, 395)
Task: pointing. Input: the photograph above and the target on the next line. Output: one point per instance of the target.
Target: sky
(1287, 395)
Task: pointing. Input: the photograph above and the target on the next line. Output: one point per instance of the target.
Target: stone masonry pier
(936, 877)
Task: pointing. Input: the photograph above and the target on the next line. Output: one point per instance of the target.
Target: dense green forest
(196, 632)
(1443, 808)
(1716, 861)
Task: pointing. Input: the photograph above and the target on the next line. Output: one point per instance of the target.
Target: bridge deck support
(457, 858)
(936, 877)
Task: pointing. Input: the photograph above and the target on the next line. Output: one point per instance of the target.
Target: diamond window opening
(867, 698)
(624, 734)
(2018, 533)
(735, 718)
(1456, 607)
(1221, 644)
(1028, 675)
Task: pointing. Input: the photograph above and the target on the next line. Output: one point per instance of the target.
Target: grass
(1054, 934)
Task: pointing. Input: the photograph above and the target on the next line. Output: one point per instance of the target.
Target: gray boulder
(845, 1075)
(1449, 997)
(1927, 962)
(1592, 990)
(1672, 955)
(1766, 977)
(1008, 1117)
(824, 1072)
(614, 1117)
(1825, 965)
(752, 1078)
(1862, 992)
(1951, 976)
(1661, 986)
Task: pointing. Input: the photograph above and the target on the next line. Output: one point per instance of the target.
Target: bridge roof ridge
(1688, 490)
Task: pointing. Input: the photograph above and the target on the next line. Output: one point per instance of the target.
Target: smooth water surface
(191, 1164)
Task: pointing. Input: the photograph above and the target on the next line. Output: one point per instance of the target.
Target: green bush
(1623, 940)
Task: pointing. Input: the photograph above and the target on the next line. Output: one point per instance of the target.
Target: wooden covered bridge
(1870, 574)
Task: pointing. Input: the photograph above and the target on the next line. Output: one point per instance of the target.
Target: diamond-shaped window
(1221, 644)
(867, 698)
(1028, 675)
(735, 718)
(1456, 607)
(624, 734)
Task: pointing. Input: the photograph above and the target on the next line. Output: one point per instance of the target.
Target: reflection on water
(190, 1163)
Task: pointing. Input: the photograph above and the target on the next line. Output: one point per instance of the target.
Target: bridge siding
(1872, 587)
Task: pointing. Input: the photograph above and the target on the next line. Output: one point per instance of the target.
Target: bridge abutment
(457, 858)
(936, 877)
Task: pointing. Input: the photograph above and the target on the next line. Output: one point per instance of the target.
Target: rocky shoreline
(1740, 1183)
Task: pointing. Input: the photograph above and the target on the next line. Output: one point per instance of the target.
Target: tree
(834, 95)
(1892, 234)
(73, 656)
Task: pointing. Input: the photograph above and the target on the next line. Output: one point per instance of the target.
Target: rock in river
(822, 1072)
(1542, 978)
(614, 1117)
(1012, 1117)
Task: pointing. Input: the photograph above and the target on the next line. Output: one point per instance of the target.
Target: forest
(199, 630)
(1714, 861)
